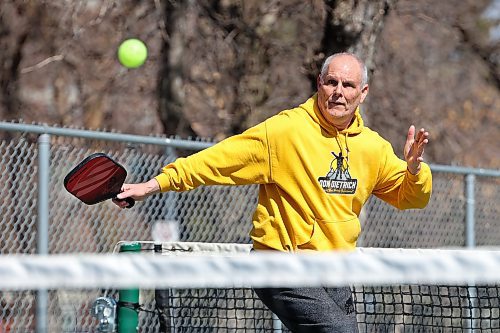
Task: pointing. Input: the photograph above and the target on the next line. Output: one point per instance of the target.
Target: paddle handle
(130, 201)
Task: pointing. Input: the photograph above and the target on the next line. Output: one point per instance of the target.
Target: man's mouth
(335, 103)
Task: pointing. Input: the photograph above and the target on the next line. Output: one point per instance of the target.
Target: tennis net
(200, 287)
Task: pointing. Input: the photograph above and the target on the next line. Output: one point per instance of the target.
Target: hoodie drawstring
(345, 157)
(341, 147)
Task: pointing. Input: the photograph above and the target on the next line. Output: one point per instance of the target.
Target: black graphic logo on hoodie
(338, 180)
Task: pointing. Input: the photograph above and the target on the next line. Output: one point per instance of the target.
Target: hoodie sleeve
(238, 160)
(398, 187)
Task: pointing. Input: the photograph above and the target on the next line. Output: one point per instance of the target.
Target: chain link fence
(463, 211)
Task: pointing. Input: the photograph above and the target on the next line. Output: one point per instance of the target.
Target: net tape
(231, 265)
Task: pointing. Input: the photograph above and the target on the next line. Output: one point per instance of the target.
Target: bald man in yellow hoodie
(317, 165)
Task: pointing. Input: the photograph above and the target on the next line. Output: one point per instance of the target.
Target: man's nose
(338, 88)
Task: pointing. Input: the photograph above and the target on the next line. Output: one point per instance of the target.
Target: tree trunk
(172, 73)
(354, 26)
(228, 65)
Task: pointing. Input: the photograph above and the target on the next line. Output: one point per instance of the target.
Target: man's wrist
(414, 171)
(152, 186)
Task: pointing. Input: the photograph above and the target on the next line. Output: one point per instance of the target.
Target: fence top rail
(465, 170)
(107, 136)
(186, 144)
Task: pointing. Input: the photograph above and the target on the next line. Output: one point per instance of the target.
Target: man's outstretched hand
(137, 191)
(414, 148)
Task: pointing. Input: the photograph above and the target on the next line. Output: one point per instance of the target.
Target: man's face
(340, 91)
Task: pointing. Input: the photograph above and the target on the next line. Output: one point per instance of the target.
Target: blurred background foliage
(217, 67)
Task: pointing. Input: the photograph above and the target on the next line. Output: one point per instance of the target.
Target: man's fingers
(411, 134)
(414, 148)
(419, 135)
(422, 137)
(421, 143)
(122, 195)
(410, 139)
(125, 191)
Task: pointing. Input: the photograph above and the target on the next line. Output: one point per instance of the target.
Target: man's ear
(364, 93)
(318, 81)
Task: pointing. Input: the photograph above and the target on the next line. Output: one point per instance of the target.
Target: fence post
(43, 225)
(470, 237)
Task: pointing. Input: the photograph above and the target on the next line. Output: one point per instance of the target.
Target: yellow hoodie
(313, 179)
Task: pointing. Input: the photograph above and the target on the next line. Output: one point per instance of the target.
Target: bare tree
(60, 64)
(231, 64)
(14, 32)
(218, 67)
(432, 73)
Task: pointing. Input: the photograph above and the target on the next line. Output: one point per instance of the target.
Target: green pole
(128, 318)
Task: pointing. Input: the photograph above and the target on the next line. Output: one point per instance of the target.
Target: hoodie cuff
(421, 175)
(164, 182)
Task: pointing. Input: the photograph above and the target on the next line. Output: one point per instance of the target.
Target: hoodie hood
(312, 108)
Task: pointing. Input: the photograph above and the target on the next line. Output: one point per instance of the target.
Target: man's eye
(332, 82)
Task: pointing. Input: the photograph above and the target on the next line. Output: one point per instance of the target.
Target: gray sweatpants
(312, 310)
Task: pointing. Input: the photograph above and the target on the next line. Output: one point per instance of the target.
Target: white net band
(189, 269)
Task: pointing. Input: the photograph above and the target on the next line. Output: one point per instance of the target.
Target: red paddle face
(95, 179)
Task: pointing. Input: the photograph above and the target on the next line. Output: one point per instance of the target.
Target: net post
(128, 318)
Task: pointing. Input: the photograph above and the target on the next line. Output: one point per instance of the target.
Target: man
(317, 165)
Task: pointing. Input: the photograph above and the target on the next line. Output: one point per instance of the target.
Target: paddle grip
(130, 201)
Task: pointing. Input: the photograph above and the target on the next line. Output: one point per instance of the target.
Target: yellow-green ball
(132, 53)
